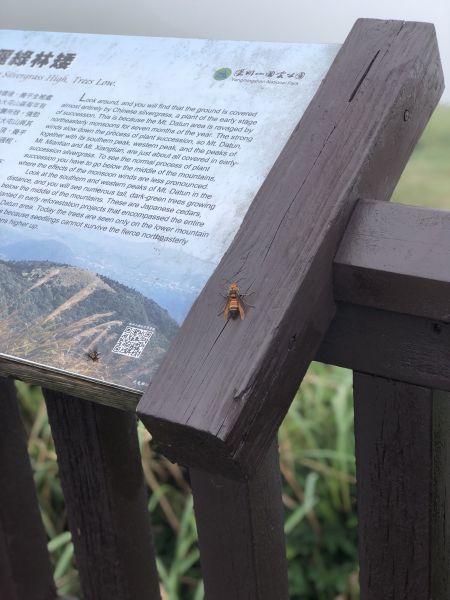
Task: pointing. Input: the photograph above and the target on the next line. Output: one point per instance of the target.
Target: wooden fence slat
(26, 572)
(241, 537)
(106, 501)
(401, 449)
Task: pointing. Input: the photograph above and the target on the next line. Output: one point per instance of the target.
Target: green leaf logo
(222, 74)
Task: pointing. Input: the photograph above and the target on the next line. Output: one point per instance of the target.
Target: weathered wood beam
(397, 258)
(241, 535)
(106, 501)
(402, 452)
(389, 344)
(392, 283)
(62, 381)
(224, 388)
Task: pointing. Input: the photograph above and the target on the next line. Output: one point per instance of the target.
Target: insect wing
(226, 311)
(241, 309)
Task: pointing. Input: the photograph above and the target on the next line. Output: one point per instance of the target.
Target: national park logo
(222, 74)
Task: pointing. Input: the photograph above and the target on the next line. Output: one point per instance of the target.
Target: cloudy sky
(268, 20)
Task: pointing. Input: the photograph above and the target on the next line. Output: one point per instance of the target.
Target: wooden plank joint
(396, 257)
(392, 284)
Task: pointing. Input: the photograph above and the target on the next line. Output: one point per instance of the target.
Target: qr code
(133, 341)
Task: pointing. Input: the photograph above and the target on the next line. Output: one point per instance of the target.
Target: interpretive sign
(126, 167)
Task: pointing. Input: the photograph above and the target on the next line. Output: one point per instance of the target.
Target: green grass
(318, 467)
(426, 179)
(316, 454)
(317, 464)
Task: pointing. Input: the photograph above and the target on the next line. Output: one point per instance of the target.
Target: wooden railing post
(25, 569)
(223, 389)
(402, 452)
(241, 537)
(102, 480)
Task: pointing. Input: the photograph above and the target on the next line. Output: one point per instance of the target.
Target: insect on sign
(93, 355)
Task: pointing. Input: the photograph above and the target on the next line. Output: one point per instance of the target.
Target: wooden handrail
(396, 257)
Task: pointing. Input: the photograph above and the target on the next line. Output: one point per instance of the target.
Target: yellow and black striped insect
(235, 305)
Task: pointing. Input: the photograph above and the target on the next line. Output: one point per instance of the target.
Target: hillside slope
(56, 315)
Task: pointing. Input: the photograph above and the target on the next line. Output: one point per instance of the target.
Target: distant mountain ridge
(54, 314)
(170, 277)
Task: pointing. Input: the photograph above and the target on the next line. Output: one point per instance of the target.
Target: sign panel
(126, 167)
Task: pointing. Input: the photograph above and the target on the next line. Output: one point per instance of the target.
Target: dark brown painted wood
(25, 571)
(241, 537)
(67, 383)
(392, 345)
(393, 429)
(396, 257)
(224, 388)
(401, 449)
(440, 549)
(106, 501)
(7, 588)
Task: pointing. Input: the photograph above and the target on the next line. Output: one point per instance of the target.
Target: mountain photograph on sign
(65, 300)
(70, 318)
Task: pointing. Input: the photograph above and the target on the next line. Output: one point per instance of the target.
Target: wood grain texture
(241, 537)
(25, 569)
(106, 501)
(393, 430)
(396, 257)
(440, 549)
(67, 383)
(402, 453)
(224, 388)
(389, 344)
